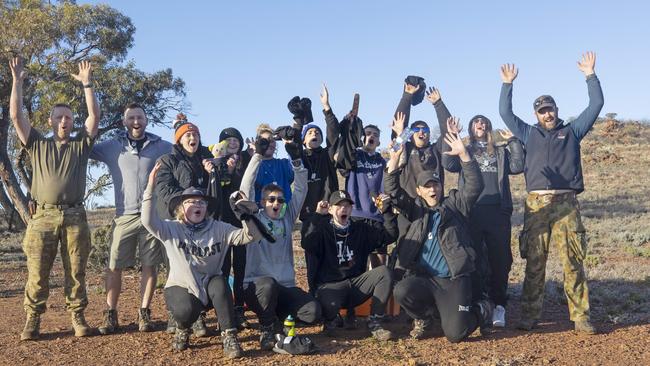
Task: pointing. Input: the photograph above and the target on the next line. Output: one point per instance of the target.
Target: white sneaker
(499, 317)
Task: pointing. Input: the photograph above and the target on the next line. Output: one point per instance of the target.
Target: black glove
(294, 149)
(415, 81)
(286, 133)
(262, 145)
(245, 210)
(305, 103)
(295, 108)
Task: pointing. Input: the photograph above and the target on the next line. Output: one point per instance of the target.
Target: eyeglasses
(201, 203)
(480, 120)
(418, 129)
(272, 199)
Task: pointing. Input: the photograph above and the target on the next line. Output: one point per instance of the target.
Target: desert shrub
(101, 247)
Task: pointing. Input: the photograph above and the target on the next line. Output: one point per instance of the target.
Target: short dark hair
(60, 105)
(373, 127)
(132, 106)
(271, 187)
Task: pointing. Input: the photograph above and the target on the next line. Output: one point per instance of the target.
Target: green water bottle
(289, 326)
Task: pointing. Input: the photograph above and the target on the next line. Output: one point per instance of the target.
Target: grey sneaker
(144, 320)
(171, 323)
(585, 326)
(267, 337)
(81, 328)
(110, 322)
(377, 331)
(181, 339)
(499, 317)
(32, 327)
(527, 324)
(198, 328)
(231, 347)
(421, 328)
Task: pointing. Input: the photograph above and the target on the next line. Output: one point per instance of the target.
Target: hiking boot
(231, 347)
(584, 326)
(81, 328)
(144, 320)
(267, 337)
(240, 318)
(198, 328)
(421, 328)
(110, 322)
(527, 324)
(330, 326)
(171, 323)
(499, 317)
(32, 326)
(181, 339)
(377, 331)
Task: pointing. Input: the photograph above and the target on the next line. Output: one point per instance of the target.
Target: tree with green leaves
(53, 37)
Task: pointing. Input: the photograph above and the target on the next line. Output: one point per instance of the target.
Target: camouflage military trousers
(48, 227)
(553, 218)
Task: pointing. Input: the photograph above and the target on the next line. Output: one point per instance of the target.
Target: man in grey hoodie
(269, 283)
(130, 156)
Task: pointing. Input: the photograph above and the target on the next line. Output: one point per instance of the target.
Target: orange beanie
(182, 129)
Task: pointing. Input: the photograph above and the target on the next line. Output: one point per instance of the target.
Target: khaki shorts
(127, 234)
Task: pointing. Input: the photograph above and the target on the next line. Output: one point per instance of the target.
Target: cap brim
(544, 105)
(176, 200)
(336, 202)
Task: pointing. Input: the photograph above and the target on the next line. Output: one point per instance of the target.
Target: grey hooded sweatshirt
(195, 252)
(264, 259)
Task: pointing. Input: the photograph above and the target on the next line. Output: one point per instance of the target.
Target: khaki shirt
(59, 170)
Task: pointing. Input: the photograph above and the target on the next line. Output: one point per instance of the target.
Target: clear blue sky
(243, 60)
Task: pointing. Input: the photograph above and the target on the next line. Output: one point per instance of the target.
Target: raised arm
(85, 77)
(404, 107)
(248, 180)
(465, 199)
(18, 117)
(299, 191)
(452, 162)
(515, 153)
(150, 219)
(518, 127)
(586, 119)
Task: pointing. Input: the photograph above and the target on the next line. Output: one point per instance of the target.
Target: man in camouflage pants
(58, 186)
(553, 174)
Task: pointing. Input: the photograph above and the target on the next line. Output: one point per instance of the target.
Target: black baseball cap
(425, 177)
(339, 196)
(543, 101)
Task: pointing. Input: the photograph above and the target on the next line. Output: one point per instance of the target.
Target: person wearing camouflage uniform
(58, 186)
(553, 175)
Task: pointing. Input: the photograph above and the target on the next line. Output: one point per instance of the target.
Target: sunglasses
(418, 129)
(201, 203)
(272, 199)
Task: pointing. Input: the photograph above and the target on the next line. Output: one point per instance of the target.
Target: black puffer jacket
(453, 234)
(179, 171)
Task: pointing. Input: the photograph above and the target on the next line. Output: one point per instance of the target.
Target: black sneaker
(377, 331)
(231, 347)
(144, 320)
(181, 339)
(240, 318)
(110, 322)
(198, 328)
(171, 323)
(267, 337)
(485, 307)
(350, 320)
(331, 326)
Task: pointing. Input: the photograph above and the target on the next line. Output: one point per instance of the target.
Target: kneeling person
(336, 250)
(196, 246)
(269, 283)
(436, 251)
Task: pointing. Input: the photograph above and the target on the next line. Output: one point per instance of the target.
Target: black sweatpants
(272, 302)
(186, 307)
(490, 229)
(376, 283)
(420, 296)
(236, 257)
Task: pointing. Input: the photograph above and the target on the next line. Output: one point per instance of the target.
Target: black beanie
(232, 132)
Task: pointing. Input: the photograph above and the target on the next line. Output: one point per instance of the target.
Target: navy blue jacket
(553, 157)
